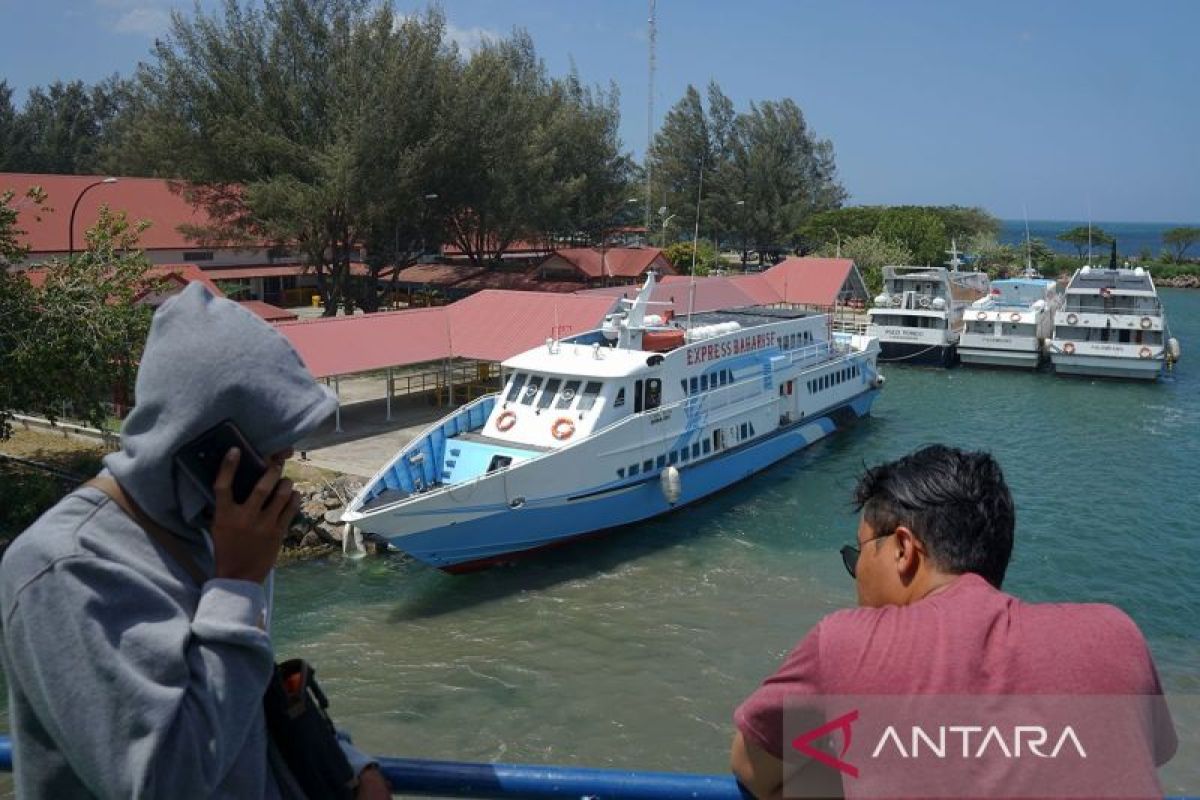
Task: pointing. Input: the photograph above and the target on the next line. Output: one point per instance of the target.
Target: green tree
(76, 338)
(1181, 239)
(871, 252)
(9, 158)
(1080, 237)
(993, 257)
(680, 255)
(919, 230)
(680, 147)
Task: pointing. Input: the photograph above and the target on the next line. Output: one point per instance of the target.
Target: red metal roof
(490, 326)
(493, 325)
(712, 294)
(182, 274)
(363, 342)
(516, 281)
(809, 281)
(142, 198)
(620, 262)
(269, 312)
(436, 274)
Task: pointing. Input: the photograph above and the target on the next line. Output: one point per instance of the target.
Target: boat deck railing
(1112, 311)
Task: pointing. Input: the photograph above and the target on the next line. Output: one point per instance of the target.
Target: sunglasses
(850, 554)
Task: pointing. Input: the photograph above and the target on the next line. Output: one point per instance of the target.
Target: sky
(1041, 108)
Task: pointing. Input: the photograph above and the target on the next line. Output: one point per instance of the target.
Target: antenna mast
(650, 120)
(695, 246)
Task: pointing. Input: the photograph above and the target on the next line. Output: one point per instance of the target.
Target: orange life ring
(562, 428)
(506, 421)
(1014, 317)
(1072, 319)
(982, 315)
(1068, 348)
(1146, 323)
(1144, 352)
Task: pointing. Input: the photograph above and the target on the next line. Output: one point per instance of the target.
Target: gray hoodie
(126, 679)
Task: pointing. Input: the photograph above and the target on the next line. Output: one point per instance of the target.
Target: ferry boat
(1112, 325)
(617, 425)
(919, 316)
(1010, 327)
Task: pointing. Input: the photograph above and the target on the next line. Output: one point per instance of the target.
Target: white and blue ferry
(617, 425)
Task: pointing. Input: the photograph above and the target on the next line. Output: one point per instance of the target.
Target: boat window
(620, 401)
(696, 450)
(706, 446)
(673, 457)
(647, 465)
(568, 394)
(704, 382)
(590, 393)
(548, 395)
(695, 384)
(637, 396)
(742, 430)
(718, 439)
(653, 393)
(620, 472)
(531, 390)
(499, 462)
(633, 470)
(684, 384)
(751, 424)
(661, 462)
(684, 454)
(514, 388)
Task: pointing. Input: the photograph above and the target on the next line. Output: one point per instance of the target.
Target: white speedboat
(919, 316)
(1010, 327)
(617, 425)
(1112, 324)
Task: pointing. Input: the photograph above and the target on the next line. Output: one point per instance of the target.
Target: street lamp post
(74, 208)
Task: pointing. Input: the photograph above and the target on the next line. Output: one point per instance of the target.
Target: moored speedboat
(919, 316)
(1112, 325)
(1010, 326)
(614, 426)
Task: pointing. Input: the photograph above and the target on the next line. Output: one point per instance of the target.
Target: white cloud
(470, 39)
(148, 21)
(142, 17)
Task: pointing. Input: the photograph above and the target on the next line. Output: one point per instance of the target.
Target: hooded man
(127, 677)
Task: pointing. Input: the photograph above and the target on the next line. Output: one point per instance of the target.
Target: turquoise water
(633, 649)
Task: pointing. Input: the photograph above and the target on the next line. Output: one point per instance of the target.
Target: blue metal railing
(428, 778)
(424, 777)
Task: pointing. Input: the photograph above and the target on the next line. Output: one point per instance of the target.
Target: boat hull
(486, 534)
(996, 357)
(918, 354)
(1145, 369)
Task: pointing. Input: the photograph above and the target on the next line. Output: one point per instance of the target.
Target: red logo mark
(803, 743)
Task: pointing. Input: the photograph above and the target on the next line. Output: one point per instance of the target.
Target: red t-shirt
(968, 639)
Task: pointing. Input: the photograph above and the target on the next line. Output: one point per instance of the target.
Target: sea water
(633, 649)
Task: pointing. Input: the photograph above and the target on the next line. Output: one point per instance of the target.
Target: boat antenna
(1089, 205)
(695, 245)
(650, 121)
(1028, 246)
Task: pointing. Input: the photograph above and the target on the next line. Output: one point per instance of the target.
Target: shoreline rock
(317, 531)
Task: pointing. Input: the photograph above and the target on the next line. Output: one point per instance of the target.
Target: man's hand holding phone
(247, 536)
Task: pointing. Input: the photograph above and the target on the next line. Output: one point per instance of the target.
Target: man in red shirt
(934, 541)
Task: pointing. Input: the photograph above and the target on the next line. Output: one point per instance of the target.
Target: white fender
(671, 485)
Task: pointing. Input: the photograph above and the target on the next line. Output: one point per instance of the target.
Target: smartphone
(200, 459)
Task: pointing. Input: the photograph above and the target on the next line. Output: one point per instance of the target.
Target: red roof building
(270, 313)
(488, 326)
(603, 266)
(819, 282)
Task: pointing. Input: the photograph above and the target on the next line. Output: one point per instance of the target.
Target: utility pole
(650, 119)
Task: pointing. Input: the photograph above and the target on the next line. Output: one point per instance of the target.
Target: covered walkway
(450, 351)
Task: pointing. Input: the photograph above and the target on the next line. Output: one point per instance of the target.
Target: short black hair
(955, 502)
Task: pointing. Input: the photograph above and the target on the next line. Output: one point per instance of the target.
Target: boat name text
(711, 352)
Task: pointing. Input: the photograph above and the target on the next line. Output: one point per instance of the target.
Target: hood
(208, 359)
